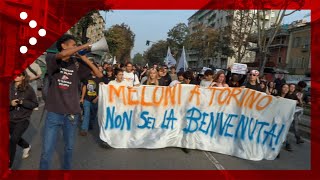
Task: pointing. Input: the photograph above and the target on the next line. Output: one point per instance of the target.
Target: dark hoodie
(22, 111)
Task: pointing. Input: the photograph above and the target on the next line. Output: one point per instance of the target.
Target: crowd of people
(69, 74)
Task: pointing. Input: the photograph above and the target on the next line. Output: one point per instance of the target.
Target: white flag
(183, 64)
(114, 60)
(170, 61)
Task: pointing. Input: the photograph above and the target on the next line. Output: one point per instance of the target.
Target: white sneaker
(36, 109)
(25, 153)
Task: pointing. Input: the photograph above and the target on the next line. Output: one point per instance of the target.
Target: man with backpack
(63, 103)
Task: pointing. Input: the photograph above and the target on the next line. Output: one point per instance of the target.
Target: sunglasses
(253, 75)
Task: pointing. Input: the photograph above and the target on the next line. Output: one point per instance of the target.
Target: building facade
(96, 32)
(220, 19)
(298, 55)
(277, 51)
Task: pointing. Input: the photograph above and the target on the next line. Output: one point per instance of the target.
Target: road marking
(214, 161)
(218, 165)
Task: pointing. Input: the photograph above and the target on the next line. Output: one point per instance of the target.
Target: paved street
(88, 154)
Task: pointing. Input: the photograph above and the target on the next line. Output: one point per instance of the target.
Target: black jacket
(166, 80)
(23, 111)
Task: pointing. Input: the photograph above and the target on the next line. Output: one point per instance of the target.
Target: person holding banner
(173, 73)
(165, 77)
(188, 78)
(283, 93)
(179, 81)
(152, 78)
(292, 94)
(63, 105)
(208, 79)
(234, 81)
(253, 81)
(264, 87)
(219, 80)
(272, 89)
(119, 80)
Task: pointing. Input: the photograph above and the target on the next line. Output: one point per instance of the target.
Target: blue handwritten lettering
(147, 121)
(270, 133)
(250, 133)
(168, 120)
(204, 115)
(262, 124)
(243, 126)
(192, 120)
(118, 121)
(229, 125)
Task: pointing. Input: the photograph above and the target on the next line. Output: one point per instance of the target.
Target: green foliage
(204, 41)
(177, 37)
(120, 39)
(156, 53)
(138, 59)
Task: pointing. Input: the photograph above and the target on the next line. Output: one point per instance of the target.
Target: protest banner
(235, 121)
(239, 68)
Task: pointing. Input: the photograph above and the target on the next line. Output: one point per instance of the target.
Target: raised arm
(66, 53)
(95, 70)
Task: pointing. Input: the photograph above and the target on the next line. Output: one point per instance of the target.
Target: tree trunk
(239, 55)
(263, 63)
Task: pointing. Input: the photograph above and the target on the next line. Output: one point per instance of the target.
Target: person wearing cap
(253, 81)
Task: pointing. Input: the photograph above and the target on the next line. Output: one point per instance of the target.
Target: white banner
(234, 121)
(239, 68)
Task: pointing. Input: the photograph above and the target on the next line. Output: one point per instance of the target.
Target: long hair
(281, 89)
(269, 84)
(25, 82)
(216, 77)
(149, 78)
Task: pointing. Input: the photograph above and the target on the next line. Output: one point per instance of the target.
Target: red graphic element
(63, 87)
(64, 77)
(57, 16)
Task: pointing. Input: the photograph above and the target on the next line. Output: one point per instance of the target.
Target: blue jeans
(54, 122)
(89, 115)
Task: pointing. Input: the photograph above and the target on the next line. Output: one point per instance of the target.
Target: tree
(223, 43)
(204, 41)
(177, 37)
(242, 24)
(138, 59)
(156, 53)
(79, 30)
(266, 36)
(120, 40)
